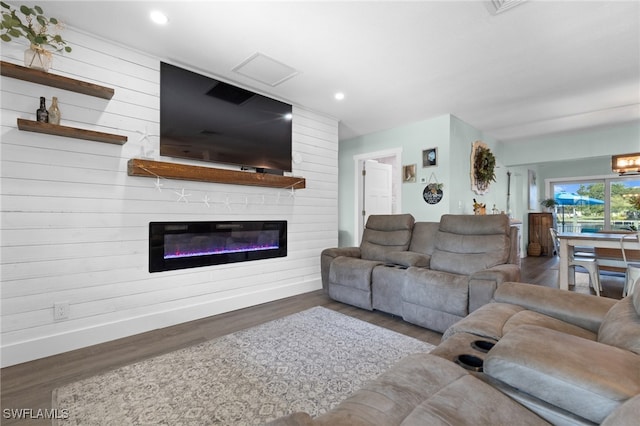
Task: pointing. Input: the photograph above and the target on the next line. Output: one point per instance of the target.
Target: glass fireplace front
(179, 245)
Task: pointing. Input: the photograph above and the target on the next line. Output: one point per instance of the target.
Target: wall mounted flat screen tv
(206, 119)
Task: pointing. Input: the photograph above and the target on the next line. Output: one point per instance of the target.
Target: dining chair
(632, 275)
(590, 263)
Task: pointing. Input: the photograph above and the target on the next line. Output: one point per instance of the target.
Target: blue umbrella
(573, 199)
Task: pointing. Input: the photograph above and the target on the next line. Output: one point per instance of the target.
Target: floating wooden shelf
(70, 132)
(36, 76)
(155, 169)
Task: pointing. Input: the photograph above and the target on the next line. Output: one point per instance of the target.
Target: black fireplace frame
(158, 231)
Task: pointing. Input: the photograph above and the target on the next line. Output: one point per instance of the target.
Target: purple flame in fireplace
(179, 245)
(204, 244)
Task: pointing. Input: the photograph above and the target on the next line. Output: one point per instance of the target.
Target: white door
(377, 191)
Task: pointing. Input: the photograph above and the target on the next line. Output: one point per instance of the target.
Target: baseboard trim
(31, 350)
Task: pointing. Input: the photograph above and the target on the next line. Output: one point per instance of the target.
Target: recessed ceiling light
(339, 96)
(159, 17)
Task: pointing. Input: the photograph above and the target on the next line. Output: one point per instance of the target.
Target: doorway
(378, 186)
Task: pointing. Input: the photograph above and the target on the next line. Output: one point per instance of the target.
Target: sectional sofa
(533, 356)
(429, 273)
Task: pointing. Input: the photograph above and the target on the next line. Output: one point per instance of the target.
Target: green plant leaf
(3, 4)
(5, 37)
(26, 10)
(38, 9)
(67, 49)
(54, 21)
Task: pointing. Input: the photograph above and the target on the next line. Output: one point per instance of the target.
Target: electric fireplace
(180, 245)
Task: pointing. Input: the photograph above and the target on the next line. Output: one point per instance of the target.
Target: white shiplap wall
(75, 226)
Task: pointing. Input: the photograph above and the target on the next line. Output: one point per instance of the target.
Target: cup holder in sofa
(482, 345)
(470, 362)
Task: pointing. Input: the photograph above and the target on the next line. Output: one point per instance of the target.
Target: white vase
(38, 58)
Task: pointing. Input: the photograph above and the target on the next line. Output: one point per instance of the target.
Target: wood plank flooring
(29, 385)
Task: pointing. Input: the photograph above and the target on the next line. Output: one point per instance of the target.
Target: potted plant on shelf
(549, 204)
(33, 26)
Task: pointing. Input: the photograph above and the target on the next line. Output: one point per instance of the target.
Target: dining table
(569, 240)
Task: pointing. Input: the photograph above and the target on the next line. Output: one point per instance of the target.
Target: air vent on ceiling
(266, 70)
(499, 6)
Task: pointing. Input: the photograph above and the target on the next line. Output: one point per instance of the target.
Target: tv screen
(206, 119)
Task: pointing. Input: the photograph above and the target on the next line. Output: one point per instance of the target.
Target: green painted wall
(453, 139)
(578, 154)
(591, 144)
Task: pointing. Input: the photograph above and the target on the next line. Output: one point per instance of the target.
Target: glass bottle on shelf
(42, 115)
(54, 111)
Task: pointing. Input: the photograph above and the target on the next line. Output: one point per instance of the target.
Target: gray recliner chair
(347, 271)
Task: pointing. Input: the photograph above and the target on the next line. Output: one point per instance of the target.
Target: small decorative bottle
(42, 115)
(54, 111)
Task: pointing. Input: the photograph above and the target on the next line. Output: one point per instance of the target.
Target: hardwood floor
(29, 385)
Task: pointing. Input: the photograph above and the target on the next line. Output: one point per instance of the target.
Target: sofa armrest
(583, 310)
(579, 375)
(327, 256)
(408, 258)
(341, 251)
(483, 284)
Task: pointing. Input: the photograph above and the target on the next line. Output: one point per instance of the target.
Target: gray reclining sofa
(429, 273)
(555, 357)
(572, 358)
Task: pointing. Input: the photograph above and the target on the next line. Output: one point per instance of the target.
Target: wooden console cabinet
(539, 224)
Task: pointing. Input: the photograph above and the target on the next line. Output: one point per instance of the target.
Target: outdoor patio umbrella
(573, 199)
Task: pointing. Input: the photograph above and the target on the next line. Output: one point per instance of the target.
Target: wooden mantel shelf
(157, 169)
(36, 76)
(70, 132)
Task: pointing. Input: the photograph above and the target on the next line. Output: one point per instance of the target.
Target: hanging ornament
(432, 193)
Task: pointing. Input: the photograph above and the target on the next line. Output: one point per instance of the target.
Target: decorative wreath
(483, 164)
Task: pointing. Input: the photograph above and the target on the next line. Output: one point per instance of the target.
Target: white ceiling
(539, 68)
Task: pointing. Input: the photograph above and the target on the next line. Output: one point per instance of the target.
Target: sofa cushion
(438, 290)
(626, 414)
(422, 389)
(635, 298)
(486, 321)
(424, 237)
(385, 233)
(527, 317)
(621, 326)
(466, 246)
(468, 401)
(480, 225)
(576, 374)
(352, 272)
(582, 310)
(496, 319)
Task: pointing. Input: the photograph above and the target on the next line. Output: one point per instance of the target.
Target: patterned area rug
(309, 361)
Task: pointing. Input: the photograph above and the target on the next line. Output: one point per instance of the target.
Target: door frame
(358, 160)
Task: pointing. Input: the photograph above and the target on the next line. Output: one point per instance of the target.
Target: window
(592, 205)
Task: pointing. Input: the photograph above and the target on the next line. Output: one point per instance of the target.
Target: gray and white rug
(309, 361)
